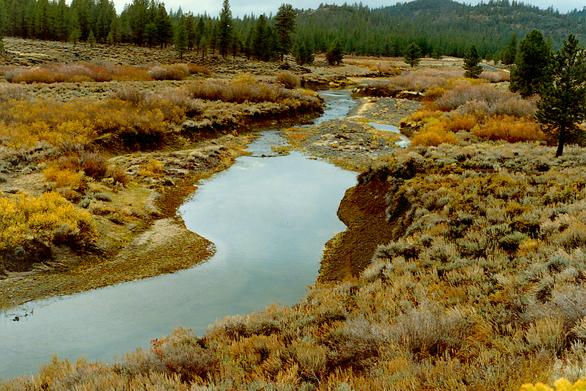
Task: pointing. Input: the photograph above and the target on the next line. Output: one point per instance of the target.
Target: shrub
(170, 72)
(459, 122)
(64, 177)
(495, 77)
(93, 165)
(510, 129)
(242, 89)
(434, 135)
(289, 80)
(485, 100)
(195, 69)
(48, 218)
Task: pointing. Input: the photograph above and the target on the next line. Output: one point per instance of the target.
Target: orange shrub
(461, 122)
(24, 123)
(510, 129)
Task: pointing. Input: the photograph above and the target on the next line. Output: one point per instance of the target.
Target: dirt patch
(363, 211)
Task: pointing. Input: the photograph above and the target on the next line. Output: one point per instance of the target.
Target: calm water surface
(269, 218)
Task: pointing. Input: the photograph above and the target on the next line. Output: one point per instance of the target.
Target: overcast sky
(242, 7)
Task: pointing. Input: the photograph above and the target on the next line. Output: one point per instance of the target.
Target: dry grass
(423, 79)
(480, 289)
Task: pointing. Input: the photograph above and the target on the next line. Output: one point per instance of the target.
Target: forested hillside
(440, 27)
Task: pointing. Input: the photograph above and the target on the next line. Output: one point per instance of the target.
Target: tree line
(438, 27)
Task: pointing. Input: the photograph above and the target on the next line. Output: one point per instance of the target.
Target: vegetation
(335, 55)
(30, 225)
(472, 63)
(225, 29)
(563, 99)
(413, 55)
(304, 54)
(360, 30)
(531, 66)
(509, 55)
(480, 288)
(285, 27)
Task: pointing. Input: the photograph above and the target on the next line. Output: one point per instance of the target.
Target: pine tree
(91, 39)
(181, 38)
(163, 26)
(471, 63)
(303, 54)
(285, 26)
(530, 70)
(510, 53)
(261, 41)
(413, 55)
(335, 54)
(563, 97)
(75, 31)
(200, 31)
(225, 29)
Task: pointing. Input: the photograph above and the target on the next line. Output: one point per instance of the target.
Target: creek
(269, 217)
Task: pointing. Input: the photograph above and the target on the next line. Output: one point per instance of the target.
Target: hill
(438, 26)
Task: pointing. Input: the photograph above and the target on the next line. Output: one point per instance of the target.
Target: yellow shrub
(509, 128)
(433, 135)
(560, 385)
(63, 177)
(45, 218)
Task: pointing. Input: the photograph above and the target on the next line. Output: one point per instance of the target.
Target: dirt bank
(362, 210)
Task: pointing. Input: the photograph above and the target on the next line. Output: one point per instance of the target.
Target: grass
(481, 288)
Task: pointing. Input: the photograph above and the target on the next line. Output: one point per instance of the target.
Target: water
(403, 142)
(269, 218)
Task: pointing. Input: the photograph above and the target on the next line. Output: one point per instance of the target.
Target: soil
(363, 210)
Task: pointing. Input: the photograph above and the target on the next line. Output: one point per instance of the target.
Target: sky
(243, 7)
